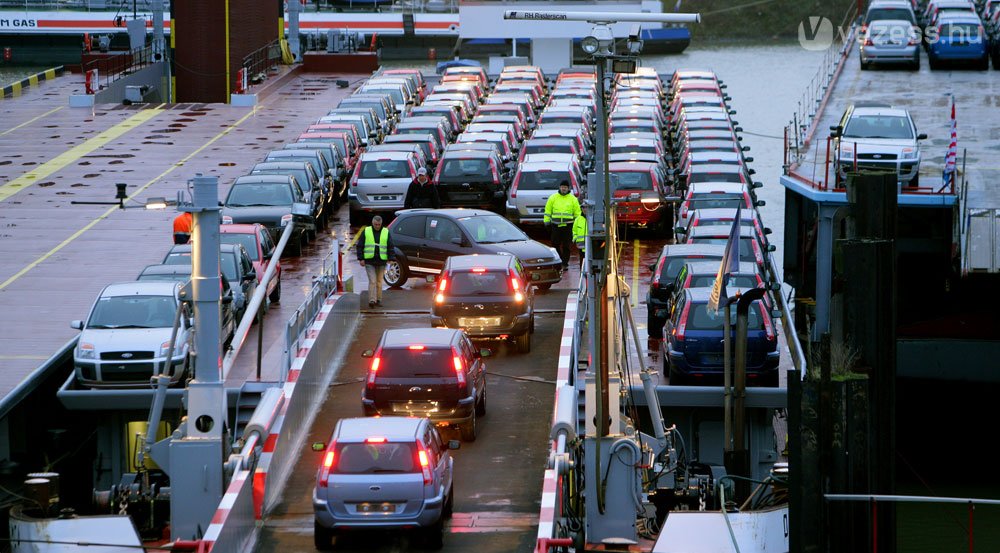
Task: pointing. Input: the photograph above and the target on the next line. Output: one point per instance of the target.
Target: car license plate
(425, 407)
(384, 198)
(466, 196)
(712, 358)
(376, 508)
(479, 321)
(538, 210)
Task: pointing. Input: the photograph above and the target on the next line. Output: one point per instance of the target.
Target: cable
(522, 378)
(763, 135)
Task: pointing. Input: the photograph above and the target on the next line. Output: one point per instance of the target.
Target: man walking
(183, 227)
(580, 233)
(561, 210)
(374, 250)
(421, 193)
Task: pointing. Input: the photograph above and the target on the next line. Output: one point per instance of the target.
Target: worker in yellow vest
(374, 251)
(580, 232)
(561, 209)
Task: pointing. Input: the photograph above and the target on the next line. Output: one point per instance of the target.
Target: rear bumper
(518, 326)
(429, 513)
(460, 414)
(639, 215)
(681, 364)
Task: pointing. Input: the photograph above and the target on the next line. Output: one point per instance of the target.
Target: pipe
(566, 413)
(623, 443)
(162, 382)
(742, 313)
(265, 414)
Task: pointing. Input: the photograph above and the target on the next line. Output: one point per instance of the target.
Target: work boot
(653, 345)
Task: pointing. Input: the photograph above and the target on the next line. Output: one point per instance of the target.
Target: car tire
(523, 343)
(469, 429)
(676, 378)
(434, 535)
(531, 325)
(984, 64)
(449, 504)
(294, 246)
(481, 405)
(355, 218)
(915, 66)
(543, 287)
(865, 65)
(770, 380)
(933, 62)
(275, 295)
(915, 181)
(396, 274)
(322, 537)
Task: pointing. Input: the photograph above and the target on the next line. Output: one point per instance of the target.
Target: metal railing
(324, 283)
(256, 64)
(112, 68)
(83, 5)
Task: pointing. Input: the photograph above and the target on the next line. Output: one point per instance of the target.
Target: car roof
(552, 165)
(186, 248)
(626, 166)
(393, 429)
(489, 261)
(403, 337)
(726, 187)
(240, 228)
(141, 288)
(720, 231)
(716, 168)
(279, 165)
(549, 141)
(400, 156)
(454, 212)
(702, 294)
(164, 269)
(722, 213)
(879, 109)
(681, 250)
(264, 179)
(712, 267)
(408, 138)
(890, 23)
(890, 4)
(459, 153)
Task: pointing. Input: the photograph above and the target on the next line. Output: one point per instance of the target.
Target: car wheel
(676, 377)
(470, 429)
(481, 404)
(931, 61)
(864, 65)
(275, 296)
(770, 380)
(449, 504)
(523, 342)
(322, 537)
(395, 273)
(916, 62)
(984, 64)
(355, 218)
(543, 287)
(294, 245)
(434, 535)
(531, 325)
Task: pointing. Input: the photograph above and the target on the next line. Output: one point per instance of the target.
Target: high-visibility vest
(184, 223)
(561, 210)
(383, 244)
(580, 231)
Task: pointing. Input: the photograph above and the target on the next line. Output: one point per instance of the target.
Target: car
(383, 473)
(752, 246)
(877, 137)
(663, 277)
(889, 10)
(260, 246)
(702, 274)
(693, 342)
(533, 184)
(307, 179)
(319, 164)
(385, 110)
(380, 181)
(182, 274)
(959, 38)
(337, 190)
(374, 122)
(125, 339)
(235, 264)
(432, 122)
(426, 142)
(487, 296)
(270, 200)
(427, 372)
(713, 195)
(640, 194)
(721, 216)
(471, 178)
(426, 238)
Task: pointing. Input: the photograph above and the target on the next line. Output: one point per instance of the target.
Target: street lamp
(121, 195)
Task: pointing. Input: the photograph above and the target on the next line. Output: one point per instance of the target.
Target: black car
(487, 296)
(470, 178)
(308, 181)
(182, 273)
(428, 372)
(426, 238)
(234, 263)
(271, 201)
(672, 259)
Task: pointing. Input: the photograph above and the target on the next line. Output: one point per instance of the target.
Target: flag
(730, 262)
(951, 158)
(677, 6)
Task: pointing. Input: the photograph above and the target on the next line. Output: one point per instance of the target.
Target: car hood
(269, 215)
(126, 339)
(528, 251)
(878, 145)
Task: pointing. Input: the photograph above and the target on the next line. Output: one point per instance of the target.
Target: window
(492, 229)
(266, 243)
(735, 281)
(441, 230)
(489, 283)
(227, 262)
(243, 195)
(411, 226)
(542, 180)
(715, 201)
(385, 169)
(372, 458)
(715, 177)
(409, 363)
(703, 318)
(878, 126)
(465, 168)
(632, 180)
(133, 311)
(248, 241)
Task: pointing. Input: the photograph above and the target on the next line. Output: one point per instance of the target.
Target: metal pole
(260, 336)
(727, 384)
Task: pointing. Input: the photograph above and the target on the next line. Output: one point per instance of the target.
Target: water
(14, 73)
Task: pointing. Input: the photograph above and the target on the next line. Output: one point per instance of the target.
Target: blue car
(693, 342)
(959, 38)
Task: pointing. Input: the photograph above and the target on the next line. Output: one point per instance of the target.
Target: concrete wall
(153, 76)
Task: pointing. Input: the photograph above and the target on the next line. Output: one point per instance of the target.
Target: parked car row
(713, 177)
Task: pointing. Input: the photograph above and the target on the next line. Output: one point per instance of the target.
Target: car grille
(481, 322)
(126, 355)
(127, 373)
(883, 157)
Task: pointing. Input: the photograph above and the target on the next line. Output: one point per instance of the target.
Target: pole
(727, 385)
(260, 337)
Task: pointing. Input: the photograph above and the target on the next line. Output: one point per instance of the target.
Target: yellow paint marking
(15, 88)
(354, 240)
(636, 248)
(50, 74)
(107, 213)
(76, 152)
(47, 113)
(33, 80)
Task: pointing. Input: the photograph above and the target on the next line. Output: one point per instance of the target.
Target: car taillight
(868, 42)
(682, 323)
(354, 176)
(329, 458)
(496, 174)
(513, 187)
(516, 285)
(757, 253)
(442, 286)
(425, 463)
(373, 370)
(768, 328)
(459, 368)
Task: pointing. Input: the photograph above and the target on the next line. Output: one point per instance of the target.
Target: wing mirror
(677, 230)
(485, 352)
(775, 286)
(776, 313)
(368, 353)
(760, 203)
(751, 172)
(756, 184)
(748, 159)
(318, 447)
(458, 241)
(767, 230)
(226, 300)
(252, 275)
(771, 247)
(78, 325)
(921, 136)
(732, 112)
(836, 131)
(745, 148)
(738, 129)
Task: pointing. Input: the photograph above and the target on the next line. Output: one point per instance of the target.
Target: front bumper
(639, 215)
(123, 374)
(462, 412)
(905, 169)
(548, 273)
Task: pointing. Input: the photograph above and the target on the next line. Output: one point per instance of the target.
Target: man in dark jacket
(421, 192)
(374, 250)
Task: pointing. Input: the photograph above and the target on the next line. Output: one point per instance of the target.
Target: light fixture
(590, 44)
(156, 203)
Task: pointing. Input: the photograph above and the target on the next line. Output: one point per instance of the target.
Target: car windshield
(632, 180)
(250, 195)
(746, 249)
(969, 32)
(492, 229)
(713, 201)
(487, 283)
(465, 168)
(374, 458)
(227, 262)
(133, 312)
(173, 277)
(633, 148)
(735, 281)
(890, 13)
(878, 126)
(541, 180)
(248, 241)
(715, 177)
(415, 361)
(701, 317)
(301, 178)
(566, 148)
(385, 169)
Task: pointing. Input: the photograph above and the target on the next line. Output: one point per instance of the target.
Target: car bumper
(429, 513)
(957, 54)
(681, 364)
(460, 414)
(518, 326)
(638, 215)
(357, 205)
(889, 55)
(119, 374)
(547, 274)
(906, 169)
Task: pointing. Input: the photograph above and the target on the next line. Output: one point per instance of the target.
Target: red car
(640, 196)
(259, 244)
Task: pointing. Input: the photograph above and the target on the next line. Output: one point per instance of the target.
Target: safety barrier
(110, 69)
(14, 89)
(256, 64)
(323, 285)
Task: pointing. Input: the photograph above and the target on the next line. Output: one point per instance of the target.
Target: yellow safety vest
(383, 244)
(562, 210)
(580, 231)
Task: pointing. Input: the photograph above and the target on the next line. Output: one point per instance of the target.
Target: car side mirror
(738, 129)
(652, 267)
(252, 275)
(921, 136)
(732, 112)
(756, 184)
(669, 288)
(458, 240)
(318, 447)
(745, 148)
(751, 172)
(368, 353)
(485, 352)
(431, 279)
(677, 230)
(836, 131)
(78, 325)
(748, 159)
(454, 444)
(767, 230)
(760, 203)
(771, 247)
(775, 286)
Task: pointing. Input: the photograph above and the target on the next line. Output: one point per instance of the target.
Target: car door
(246, 268)
(476, 367)
(407, 236)
(441, 453)
(439, 243)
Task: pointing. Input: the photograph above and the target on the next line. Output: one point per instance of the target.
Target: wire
(763, 135)
(521, 378)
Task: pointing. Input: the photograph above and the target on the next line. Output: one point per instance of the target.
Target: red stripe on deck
(259, 482)
(220, 516)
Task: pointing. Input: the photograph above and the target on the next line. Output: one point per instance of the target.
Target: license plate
(714, 358)
(415, 407)
(376, 508)
(479, 321)
(466, 196)
(384, 198)
(538, 210)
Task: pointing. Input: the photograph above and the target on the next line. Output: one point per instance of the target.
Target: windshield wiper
(131, 326)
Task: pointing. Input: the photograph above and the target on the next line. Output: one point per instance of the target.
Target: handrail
(300, 321)
(261, 60)
(111, 68)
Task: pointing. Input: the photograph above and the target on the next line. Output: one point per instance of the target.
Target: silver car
(126, 337)
(532, 186)
(383, 473)
(892, 41)
(380, 182)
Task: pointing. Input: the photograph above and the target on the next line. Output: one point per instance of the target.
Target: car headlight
(285, 219)
(227, 220)
(164, 349)
(909, 154)
(555, 253)
(86, 351)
